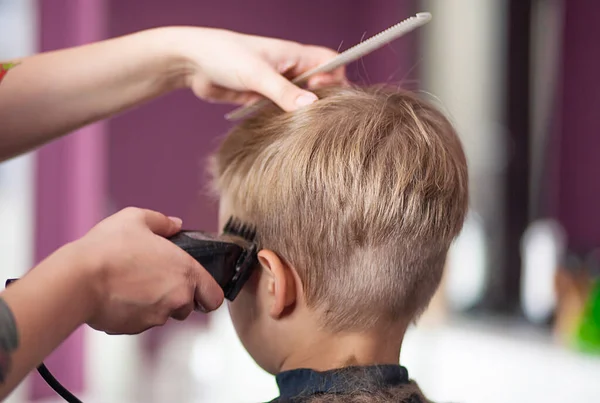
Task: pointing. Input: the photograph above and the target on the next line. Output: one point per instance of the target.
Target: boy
(355, 200)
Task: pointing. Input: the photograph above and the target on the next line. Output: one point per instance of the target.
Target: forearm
(51, 94)
(47, 305)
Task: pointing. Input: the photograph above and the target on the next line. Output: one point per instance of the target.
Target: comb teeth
(238, 228)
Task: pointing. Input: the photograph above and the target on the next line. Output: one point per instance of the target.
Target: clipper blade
(247, 260)
(238, 228)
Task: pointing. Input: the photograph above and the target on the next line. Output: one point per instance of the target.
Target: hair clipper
(229, 257)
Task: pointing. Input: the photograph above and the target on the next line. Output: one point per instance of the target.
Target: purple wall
(579, 162)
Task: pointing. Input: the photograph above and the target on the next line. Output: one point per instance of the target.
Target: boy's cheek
(253, 334)
(239, 312)
(249, 320)
(245, 322)
(244, 311)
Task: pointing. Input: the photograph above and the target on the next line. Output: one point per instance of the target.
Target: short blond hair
(361, 192)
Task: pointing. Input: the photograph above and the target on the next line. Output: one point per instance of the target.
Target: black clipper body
(229, 257)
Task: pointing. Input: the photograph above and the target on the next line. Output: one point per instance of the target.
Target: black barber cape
(299, 385)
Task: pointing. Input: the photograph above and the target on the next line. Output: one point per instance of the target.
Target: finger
(160, 224)
(208, 295)
(310, 57)
(250, 98)
(129, 329)
(183, 312)
(274, 86)
(337, 76)
(320, 81)
(325, 80)
(225, 95)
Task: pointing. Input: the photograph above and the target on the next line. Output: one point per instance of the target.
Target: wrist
(81, 275)
(176, 66)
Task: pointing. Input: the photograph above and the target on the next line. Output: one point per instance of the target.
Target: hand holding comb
(348, 56)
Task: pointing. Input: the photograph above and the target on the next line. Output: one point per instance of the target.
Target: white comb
(350, 55)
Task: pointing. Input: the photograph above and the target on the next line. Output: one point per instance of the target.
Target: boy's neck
(322, 351)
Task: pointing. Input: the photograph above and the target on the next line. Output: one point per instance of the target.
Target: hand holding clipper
(229, 258)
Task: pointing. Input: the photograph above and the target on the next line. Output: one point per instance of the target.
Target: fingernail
(178, 221)
(199, 307)
(305, 99)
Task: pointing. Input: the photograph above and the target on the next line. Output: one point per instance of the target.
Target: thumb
(274, 86)
(162, 225)
(208, 295)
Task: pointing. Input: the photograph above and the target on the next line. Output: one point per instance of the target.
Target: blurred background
(517, 316)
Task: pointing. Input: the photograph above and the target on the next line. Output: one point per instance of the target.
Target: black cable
(54, 384)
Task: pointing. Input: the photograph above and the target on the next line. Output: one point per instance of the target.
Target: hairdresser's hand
(232, 67)
(141, 279)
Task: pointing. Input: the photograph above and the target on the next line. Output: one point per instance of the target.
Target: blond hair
(361, 192)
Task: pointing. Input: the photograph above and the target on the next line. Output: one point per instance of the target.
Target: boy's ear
(281, 283)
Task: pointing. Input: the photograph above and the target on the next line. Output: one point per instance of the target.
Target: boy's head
(355, 199)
